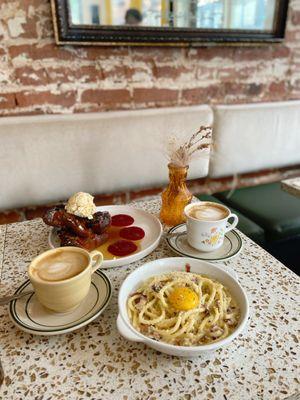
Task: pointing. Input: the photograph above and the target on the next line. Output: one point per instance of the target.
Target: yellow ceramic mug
(54, 284)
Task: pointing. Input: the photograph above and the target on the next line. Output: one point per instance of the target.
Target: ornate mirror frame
(66, 33)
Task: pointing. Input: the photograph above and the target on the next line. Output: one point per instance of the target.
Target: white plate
(30, 316)
(148, 222)
(177, 241)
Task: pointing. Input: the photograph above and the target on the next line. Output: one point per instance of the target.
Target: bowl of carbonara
(182, 306)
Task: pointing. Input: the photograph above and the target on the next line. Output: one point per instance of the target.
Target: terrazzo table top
(95, 362)
(291, 186)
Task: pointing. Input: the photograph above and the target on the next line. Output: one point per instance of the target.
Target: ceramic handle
(126, 332)
(97, 259)
(234, 224)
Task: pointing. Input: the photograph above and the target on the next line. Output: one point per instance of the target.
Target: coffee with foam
(208, 212)
(59, 266)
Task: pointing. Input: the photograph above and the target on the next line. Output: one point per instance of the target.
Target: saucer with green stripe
(30, 316)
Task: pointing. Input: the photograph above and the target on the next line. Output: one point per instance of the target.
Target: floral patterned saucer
(177, 240)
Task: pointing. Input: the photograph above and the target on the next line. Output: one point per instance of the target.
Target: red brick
(292, 36)
(29, 29)
(202, 95)
(169, 71)
(101, 96)
(233, 88)
(145, 192)
(250, 54)
(281, 51)
(107, 199)
(26, 99)
(209, 53)
(7, 101)
(261, 53)
(9, 217)
(155, 95)
(25, 4)
(36, 212)
(29, 76)
(73, 73)
(86, 73)
(278, 90)
(89, 73)
(48, 51)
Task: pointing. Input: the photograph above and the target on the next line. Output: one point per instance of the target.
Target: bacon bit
(144, 328)
(153, 334)
(135, 293)
(214, 328)
(217, 334)
(157, 287)
(142, 296)
(187, 267)
(141, 302)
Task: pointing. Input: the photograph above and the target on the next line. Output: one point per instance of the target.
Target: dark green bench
(268, 206)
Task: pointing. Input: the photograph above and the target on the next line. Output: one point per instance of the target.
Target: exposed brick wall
(36, 76)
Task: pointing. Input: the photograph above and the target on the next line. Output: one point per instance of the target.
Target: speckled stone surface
(291, 186)
(96, 362)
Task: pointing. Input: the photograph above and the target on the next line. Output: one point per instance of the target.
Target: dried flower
(181, 154)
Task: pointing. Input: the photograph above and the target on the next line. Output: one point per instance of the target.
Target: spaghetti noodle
(184, 309)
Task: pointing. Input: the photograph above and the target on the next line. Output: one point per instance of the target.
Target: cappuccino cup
(61, 277)
(207, 223)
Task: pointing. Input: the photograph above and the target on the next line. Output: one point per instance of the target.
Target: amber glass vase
(175, 197)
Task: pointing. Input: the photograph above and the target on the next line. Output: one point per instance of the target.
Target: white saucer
(30, 316)
(148, 222)
(177, 241)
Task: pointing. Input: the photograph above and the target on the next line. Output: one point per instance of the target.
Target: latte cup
(206, 235)
(66, 294)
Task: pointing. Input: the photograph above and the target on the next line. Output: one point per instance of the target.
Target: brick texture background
(38, 77)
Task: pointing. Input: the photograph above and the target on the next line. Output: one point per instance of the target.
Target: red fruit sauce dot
(132, 233)
(122, 248)
(122, 220)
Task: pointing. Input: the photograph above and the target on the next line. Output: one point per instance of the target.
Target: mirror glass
(205, 14)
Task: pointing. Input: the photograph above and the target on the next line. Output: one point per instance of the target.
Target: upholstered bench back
(47, 158)
(252, 137)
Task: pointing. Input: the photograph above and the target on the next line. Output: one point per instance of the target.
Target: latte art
(208, 212)
(60, 266)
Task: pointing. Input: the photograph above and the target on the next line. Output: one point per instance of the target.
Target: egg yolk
(183, 299)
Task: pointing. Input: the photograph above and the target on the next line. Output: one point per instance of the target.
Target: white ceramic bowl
(165, 265)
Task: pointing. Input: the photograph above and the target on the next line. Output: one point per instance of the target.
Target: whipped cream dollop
(81, 204)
